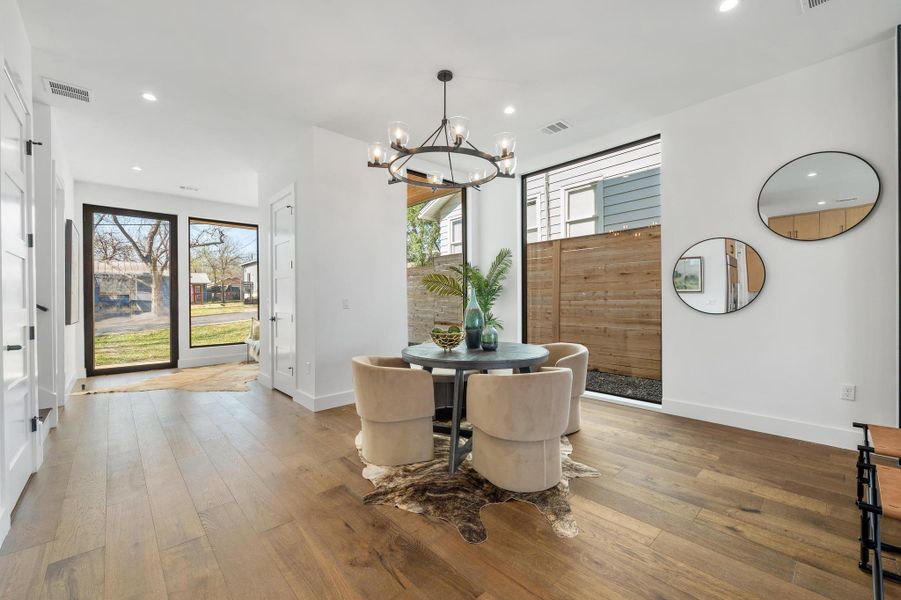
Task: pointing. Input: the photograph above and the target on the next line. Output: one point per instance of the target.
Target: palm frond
(443, 284)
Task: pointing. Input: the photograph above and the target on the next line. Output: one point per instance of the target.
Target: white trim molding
(324, 402)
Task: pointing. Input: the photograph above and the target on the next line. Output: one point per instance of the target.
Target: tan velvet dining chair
(575, 358)
(517, 422)
(396, 406)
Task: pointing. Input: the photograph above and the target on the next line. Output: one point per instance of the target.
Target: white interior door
(15, 296)
(282, 292)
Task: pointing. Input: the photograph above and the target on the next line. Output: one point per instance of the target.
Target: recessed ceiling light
(136, 168)
(727, 5)
(509, 110)
(821, 202)
(812, 174)
(148, 97)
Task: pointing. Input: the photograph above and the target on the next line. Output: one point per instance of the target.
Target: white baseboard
(4, 524)
(839, 437)
(324, 402)
(622, 401)
(264, 380)
(218, 359)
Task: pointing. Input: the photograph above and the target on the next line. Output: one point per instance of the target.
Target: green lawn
(153, 345)
(218, 308)
(234, 332)
(131, 347)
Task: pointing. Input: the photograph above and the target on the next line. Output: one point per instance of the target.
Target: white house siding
(454, 213)
(627, 191)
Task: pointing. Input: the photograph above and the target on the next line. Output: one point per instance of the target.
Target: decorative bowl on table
(447, 339)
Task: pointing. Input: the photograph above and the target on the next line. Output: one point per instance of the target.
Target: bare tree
(150, 241)
(109, 247)
(222, 260)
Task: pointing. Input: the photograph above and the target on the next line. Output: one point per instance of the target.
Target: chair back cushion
(528, 407)
(570, 356)
(386, 389)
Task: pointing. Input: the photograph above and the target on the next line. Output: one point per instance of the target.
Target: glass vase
(473, 321)
(489, 338)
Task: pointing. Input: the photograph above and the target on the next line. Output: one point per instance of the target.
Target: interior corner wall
(182, 207)
(351, 261)
(828, 314)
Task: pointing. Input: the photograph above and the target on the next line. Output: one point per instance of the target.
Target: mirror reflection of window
(719, 275)
(819, 196)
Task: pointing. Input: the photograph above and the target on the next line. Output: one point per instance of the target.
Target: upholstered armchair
(575, 358)
(396, 405)
(517, 421)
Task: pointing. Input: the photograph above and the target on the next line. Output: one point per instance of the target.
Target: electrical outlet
(849, 392)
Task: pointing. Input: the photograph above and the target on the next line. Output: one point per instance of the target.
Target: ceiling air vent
(58, 88)
(812, 4)
(851, 199)
(189, 188)
(555, 127)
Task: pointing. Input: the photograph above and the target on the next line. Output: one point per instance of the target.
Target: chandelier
(450, 139)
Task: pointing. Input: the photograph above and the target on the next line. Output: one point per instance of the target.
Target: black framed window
(130, 299)
(591, 271)
(436, 243)
(223, 287)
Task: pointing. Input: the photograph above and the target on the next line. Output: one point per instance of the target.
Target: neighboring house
(610, 193)
(249, 278)
(199, 283)
(448, 211)
(232, 287)
(125, 287)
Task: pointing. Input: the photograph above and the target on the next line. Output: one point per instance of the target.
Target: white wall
(183, 208)
(350, 245)
(829, 311)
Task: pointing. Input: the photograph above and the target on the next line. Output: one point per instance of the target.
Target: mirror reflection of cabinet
(818, 196)
(819, 224)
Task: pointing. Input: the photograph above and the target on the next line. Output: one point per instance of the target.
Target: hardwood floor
(225, 495)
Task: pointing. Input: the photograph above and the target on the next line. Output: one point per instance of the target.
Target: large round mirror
(818, 196)
(719, 275)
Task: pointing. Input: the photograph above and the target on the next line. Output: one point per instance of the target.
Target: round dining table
(509, 355)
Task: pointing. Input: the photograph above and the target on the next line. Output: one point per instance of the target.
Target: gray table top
(508, 355)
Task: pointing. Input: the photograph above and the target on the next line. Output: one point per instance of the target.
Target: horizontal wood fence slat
(602, 291)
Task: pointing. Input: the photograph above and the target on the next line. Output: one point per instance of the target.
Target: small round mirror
(818, 196)
(719, 275)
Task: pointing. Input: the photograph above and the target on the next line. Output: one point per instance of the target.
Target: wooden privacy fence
(602, 291)
(425, 310)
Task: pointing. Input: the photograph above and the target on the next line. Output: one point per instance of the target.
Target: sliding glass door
(130, 275)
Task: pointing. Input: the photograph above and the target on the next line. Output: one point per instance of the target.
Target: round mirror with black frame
(719, 275)
(818, 196)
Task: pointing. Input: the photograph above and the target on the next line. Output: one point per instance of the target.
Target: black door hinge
(31, 240)
(31, 332)
(29, 146)
(34, 424)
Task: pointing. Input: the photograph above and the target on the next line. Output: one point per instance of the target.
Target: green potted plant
(487, 288)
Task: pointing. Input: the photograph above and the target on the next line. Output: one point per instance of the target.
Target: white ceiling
(235, 80)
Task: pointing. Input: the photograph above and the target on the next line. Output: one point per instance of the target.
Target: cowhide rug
(229, 377)
(426, 488)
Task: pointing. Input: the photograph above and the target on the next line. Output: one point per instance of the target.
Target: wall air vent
(189, 188)
(812, 4)
(555, 127)
(66, 90)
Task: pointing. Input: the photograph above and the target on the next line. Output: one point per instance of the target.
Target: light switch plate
(849, 392)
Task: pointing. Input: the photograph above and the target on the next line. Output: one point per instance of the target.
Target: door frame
(87, 236)
(290, 192)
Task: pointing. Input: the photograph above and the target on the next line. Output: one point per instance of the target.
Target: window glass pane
(435, 227)
(602, 287)
(581, 228)
(224, 282)
(531, 214)
(581, 204)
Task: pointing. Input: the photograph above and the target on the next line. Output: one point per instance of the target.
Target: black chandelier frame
(431, 145)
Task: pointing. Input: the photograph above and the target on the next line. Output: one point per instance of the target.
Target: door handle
(273, 319)
(42, 308)
(14, 347)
